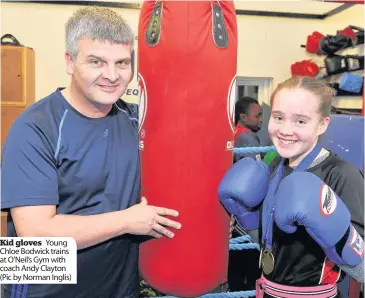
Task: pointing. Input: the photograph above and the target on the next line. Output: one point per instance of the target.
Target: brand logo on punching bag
(231, 101)
(328, 201)
(142, 101)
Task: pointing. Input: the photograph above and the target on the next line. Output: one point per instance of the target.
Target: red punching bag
(187, 57)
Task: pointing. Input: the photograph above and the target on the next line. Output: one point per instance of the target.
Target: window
(258, 88)
(248, 90)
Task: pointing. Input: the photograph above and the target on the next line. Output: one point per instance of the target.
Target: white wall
(267, 45)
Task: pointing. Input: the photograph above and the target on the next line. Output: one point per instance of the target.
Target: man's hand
(144, 219)
(232, 225)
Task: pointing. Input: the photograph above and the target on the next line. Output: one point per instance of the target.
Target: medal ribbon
(269, 202)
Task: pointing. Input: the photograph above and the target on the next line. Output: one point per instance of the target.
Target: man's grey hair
(96, 23)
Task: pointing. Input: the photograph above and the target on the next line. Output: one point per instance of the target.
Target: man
(71, 165)
(248, 121)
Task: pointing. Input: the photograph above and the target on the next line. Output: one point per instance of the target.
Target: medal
(268, 261)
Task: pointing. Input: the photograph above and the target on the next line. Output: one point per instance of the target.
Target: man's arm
(88, 230)
(42, 221)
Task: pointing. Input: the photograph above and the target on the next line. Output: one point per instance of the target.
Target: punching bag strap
(154, 26)
(219, 28)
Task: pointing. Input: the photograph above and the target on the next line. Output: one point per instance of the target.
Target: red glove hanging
(313, 41)
(305, 68)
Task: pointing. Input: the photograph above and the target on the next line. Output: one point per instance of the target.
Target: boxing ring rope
(238, 243)
(242, 150)
(242, 294)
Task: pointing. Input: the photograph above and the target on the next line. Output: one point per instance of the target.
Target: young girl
(294, 264)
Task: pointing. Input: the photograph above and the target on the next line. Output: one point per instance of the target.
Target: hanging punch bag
(187, 57)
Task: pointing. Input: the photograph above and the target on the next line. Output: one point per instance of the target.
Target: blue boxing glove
(243, 188)
(304, 199)
(351, 82)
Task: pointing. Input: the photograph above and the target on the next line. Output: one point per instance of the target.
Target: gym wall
(352, 16)
(267, 45)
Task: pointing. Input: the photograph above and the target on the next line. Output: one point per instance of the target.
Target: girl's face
(295, 123)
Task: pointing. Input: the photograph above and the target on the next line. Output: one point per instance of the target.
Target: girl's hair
(314, 86)
(242, 106)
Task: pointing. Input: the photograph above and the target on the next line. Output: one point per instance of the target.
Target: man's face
(101, 71)
(254, 118)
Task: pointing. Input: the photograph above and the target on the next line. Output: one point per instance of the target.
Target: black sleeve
(348, 183)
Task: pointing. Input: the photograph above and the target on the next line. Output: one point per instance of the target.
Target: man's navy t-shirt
(55, 156)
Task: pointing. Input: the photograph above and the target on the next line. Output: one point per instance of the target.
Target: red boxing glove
(306, 68)
(348, 32)
(313, 41)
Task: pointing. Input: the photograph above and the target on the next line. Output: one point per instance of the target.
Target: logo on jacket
(357, 243)
(327, 200)
(142, 111)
